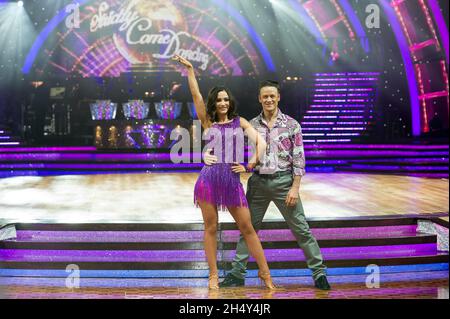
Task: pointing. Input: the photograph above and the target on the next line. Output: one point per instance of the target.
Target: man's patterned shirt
(284, 142)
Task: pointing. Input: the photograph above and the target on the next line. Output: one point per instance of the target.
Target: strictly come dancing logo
(106, 38)
(146, 32)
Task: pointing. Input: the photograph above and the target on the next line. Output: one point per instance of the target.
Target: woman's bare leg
(210, 219)
(243, 220)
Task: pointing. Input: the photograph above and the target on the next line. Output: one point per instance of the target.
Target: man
(277, 179)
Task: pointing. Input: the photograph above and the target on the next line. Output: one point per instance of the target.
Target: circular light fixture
(20, 3)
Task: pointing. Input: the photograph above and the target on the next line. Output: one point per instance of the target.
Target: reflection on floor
(412, 289)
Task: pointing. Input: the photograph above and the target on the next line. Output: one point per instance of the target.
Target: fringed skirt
(218, 185)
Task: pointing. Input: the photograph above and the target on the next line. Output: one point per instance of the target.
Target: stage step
(54, 245)
(275, 254)
(341, 107)
(167, 240)
(422, 278)
(161, 248)
(8, 140)
(202, 273)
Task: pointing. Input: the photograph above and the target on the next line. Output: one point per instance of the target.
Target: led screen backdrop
(406, 41)
(121, 36)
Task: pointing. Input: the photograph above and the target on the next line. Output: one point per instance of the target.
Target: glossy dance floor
(412, 289)
(168, 198)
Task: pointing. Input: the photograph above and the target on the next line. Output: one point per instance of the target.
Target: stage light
(16, 36)
(37, 84)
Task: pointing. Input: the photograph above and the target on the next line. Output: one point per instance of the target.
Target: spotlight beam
(45, 33)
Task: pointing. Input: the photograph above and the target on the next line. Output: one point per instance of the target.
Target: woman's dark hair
(211, 103)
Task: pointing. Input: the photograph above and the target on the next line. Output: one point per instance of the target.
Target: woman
(219, 186)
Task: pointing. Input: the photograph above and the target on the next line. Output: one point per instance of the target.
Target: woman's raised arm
(199, 104)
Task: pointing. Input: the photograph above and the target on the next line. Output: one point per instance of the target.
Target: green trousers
(260, 192)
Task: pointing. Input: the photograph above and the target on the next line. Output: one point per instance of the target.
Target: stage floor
(413, 289)
(168, 198)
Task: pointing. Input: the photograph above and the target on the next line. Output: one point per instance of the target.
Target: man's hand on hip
(209, 159)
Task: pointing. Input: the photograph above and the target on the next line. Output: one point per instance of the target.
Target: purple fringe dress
(217, 184)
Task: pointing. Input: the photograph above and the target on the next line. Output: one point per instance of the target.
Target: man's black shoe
(232, 281)
(322, 283)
